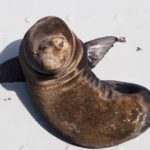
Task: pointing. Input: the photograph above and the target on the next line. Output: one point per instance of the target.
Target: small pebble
(122, 39)
(7, 99)
(28, 19)
(138, 49)
(23, 148)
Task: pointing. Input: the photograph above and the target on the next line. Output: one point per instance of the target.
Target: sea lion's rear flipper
(126, 88)
(11, 71)
(97, 48)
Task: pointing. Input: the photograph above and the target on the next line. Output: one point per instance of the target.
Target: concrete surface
(21, 127)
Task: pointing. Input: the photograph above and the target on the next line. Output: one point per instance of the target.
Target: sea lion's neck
(105, 92)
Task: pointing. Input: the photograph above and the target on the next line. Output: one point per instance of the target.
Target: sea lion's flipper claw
(97, 48)
(11, 71)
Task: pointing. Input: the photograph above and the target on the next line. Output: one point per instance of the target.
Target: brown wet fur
(84, 109)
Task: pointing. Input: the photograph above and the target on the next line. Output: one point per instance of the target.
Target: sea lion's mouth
(50, 64)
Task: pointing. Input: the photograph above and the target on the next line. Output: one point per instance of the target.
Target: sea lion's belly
(87, 116)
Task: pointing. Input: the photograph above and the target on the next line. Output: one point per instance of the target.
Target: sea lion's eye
(58, 43)
(61, 44)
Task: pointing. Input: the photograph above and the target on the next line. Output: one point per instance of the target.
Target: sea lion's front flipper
(97, 48)
(11, 71)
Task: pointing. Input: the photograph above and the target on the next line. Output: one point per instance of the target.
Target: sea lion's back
(89, 115)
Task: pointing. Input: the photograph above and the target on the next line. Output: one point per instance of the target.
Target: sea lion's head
(48, 45)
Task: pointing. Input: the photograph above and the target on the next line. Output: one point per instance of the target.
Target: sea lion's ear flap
(97, 48)
(11, 71)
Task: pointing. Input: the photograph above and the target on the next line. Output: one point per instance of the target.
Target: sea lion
(90, 112)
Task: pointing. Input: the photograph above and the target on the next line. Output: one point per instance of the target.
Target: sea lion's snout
(52, 53)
